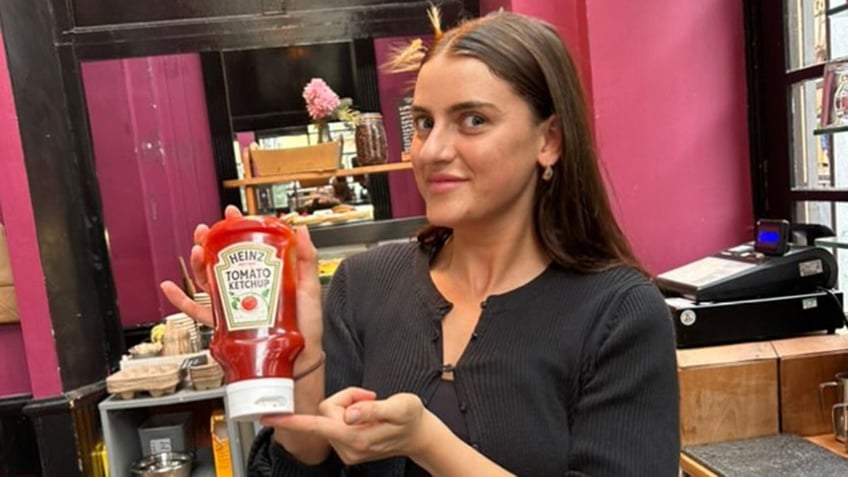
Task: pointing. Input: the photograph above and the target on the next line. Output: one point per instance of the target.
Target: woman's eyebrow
(454, 108)
(419, 109)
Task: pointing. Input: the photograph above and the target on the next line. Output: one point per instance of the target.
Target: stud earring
(548, 173)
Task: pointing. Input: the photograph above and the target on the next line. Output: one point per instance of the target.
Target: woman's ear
(551, 137)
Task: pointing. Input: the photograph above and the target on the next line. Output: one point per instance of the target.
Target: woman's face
(476, 147)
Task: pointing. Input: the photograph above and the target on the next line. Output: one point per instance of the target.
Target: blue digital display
(768, 236)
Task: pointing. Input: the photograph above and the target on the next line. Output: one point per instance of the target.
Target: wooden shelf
(264, 180)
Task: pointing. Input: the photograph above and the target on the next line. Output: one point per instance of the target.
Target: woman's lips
(440, 183)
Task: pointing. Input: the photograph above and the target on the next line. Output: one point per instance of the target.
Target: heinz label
(248, 276)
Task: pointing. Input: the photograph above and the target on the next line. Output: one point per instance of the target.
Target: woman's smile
(440, 183)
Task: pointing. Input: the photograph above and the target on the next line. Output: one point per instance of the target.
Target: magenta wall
(32, 368)
(668, 80)
(155, 168)
(14, 376)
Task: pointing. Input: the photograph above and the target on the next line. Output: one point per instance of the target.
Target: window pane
(822, 213)
(838, 24)
(811, 168)
(806, 32)
(835, 216)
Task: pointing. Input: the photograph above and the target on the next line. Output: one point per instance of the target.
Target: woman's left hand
(363, 429)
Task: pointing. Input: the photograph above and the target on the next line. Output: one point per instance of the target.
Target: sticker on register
(809, 303)
(810, 267)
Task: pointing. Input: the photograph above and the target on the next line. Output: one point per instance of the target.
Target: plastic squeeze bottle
(250, 264)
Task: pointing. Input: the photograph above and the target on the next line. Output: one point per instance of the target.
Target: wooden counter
(728, 392)
(765, 393)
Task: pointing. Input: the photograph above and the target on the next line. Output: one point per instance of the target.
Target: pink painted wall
(670, 105)
(14, 376)
(32, 368)
(155, 168)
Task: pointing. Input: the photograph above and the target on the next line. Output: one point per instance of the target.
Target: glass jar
(371, 140)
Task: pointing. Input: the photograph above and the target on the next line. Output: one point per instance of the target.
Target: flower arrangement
(324, 105)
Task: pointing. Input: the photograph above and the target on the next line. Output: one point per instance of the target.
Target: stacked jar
(371, 140)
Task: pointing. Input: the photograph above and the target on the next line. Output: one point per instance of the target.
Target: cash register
(766, 289)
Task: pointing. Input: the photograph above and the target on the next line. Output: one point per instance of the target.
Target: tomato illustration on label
(248, 303)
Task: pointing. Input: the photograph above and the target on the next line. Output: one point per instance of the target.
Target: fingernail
(353, 416)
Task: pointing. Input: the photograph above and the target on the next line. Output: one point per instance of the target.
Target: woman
(518, 336)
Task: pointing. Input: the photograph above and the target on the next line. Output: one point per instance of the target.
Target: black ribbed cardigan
(569, 375)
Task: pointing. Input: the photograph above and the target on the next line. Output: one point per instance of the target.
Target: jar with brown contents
(371, 140)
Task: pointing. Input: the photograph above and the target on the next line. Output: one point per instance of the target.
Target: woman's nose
(437, 146)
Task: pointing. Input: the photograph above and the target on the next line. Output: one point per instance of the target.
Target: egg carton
(206, 376)
(157, 380)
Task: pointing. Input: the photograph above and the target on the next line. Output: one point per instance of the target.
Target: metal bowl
(163, 464)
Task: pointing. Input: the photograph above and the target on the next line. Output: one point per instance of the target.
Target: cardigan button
(475, 335)
(475, 446)
(435, 335)
(463, 406)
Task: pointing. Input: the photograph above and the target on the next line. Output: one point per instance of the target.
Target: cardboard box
(8, 305)
(5, 266)
(319, 157)
(221, 444)
(805, 363)
(728, 392)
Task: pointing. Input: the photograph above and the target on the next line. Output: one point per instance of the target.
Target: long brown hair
(572, 214)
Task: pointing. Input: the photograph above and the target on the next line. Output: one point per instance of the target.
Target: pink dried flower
(321, 100)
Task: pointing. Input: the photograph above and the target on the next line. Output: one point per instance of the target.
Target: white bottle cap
(250, 399)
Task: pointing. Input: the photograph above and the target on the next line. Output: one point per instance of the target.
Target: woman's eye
(423, 123)
(473, 121)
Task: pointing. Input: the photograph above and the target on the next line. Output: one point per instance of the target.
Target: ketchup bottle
(250, 264)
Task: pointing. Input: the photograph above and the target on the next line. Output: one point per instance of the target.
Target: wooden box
(8, 305)
(320, 157)
(804, 363)
(728, 392)
(5, 266)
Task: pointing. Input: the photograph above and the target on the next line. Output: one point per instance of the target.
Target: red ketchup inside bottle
(250, 264)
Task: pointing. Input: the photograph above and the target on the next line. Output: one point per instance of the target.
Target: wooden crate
(320, 157)
(8, 305)
(804, 363)
(728, 392)
(5, 265)
(8, 302)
